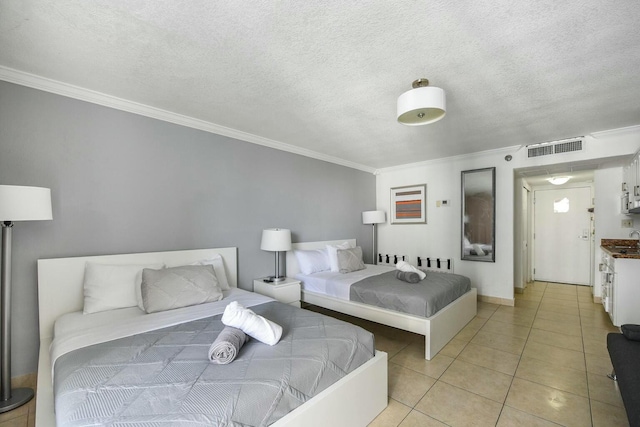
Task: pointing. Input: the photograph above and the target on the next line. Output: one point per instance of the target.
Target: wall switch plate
(627, 223)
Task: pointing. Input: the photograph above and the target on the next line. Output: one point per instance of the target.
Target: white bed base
(355, 400)
(438, 329)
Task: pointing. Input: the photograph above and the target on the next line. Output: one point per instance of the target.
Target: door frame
(532, 251)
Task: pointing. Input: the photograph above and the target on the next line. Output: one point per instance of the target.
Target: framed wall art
(409, 204)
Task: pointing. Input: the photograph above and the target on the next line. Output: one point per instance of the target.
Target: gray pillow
(350, 260)
(177, 287)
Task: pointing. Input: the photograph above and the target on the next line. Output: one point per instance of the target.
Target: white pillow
(218, 267)
(312, 261)
(332, 251)
(109, 287)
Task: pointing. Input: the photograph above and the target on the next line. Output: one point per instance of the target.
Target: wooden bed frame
(354, 400)
(437, 329)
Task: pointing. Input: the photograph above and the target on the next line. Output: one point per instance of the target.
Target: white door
(562, 235)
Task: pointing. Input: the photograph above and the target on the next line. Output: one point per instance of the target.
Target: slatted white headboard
(60, 280)
(292, 262)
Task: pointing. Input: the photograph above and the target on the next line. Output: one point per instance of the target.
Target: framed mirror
(479, 215)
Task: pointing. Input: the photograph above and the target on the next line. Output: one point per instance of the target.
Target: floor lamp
(374, 218)
(276, 240)
(17, 203)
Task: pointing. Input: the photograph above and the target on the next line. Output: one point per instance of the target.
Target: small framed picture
(409, 204)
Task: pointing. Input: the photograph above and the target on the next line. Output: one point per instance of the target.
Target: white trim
(616, 132)
(506, 150)
(94, 97)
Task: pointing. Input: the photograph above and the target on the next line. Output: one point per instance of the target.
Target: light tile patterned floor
(541, 363)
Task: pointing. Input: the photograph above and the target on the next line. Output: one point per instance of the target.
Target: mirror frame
(492, 258)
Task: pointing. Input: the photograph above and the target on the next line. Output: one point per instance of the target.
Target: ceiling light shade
(373, 217)
(559, 180)
(421, 105)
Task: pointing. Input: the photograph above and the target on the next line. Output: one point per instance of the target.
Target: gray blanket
(424, 298)
(164, 377)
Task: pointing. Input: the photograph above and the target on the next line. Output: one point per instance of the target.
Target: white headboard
(292, 262)
(60, 280)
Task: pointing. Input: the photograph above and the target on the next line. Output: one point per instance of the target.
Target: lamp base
(275, 279)
(19, 396)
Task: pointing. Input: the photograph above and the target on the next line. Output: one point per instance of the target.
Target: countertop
(612, 247)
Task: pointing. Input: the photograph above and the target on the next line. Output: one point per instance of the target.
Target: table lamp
(276, 240)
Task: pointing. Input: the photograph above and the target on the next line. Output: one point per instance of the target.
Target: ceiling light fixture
(421, 105)
(559, 180)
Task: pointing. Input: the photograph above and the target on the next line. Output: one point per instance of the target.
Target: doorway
(562, 235)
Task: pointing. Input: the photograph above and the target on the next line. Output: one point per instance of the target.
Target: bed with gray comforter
(164, 377)
(424, 298)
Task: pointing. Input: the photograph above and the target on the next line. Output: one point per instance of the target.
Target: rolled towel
(254, 325)
(407, 276)
(227, 345)
(405, 266)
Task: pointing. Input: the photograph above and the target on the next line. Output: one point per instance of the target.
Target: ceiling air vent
(556, 147)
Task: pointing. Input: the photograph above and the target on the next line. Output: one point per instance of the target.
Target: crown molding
(59, 88)
(498, 151)
(629, 130)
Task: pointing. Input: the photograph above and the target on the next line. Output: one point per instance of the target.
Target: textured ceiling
(325, 76)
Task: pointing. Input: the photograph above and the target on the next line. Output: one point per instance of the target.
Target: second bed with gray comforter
(424, 298)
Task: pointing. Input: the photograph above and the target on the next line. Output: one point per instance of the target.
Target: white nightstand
(286, 291)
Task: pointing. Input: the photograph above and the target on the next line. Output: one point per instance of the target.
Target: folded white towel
(227, 345)
(254, 325)
(405, 266)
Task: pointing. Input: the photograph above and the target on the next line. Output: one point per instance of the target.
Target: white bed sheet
(338, 284)
(77, 330)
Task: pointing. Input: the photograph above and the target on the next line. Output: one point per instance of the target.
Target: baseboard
(496, 300)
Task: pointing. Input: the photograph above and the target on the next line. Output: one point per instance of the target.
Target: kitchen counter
(621, 248)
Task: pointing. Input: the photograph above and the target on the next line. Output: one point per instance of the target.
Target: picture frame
(409, 204)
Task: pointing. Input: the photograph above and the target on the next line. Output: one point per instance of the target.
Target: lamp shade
(421, 106)
(373, 217)
(276, 239)
(19, 203)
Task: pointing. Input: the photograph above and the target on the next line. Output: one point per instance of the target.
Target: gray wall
(125, 183)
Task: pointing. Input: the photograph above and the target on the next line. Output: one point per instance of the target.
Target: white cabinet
(621, 289)
(287, 291)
